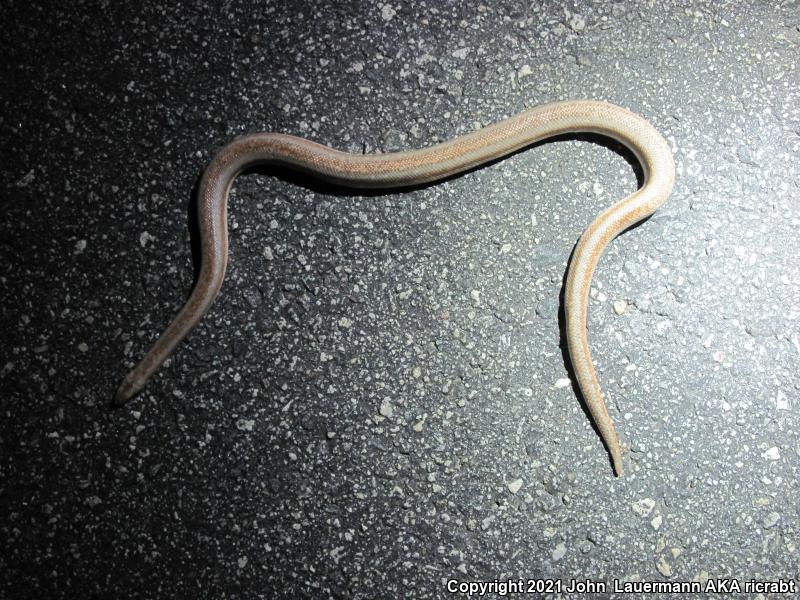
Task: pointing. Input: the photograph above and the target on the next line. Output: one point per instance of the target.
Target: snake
(423, 166)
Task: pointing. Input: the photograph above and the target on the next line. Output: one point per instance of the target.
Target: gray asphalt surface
(379, 402)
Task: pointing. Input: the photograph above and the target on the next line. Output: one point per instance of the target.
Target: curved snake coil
(403, 169)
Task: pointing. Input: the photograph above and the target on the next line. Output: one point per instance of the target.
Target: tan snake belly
(403, 169)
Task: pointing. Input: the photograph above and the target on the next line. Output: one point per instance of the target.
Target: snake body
(403, 169)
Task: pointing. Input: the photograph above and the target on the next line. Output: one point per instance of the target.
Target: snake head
(129, 387)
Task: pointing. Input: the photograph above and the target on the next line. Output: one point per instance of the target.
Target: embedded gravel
(379, 402)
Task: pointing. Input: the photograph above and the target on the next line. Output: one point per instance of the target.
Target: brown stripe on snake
(403, 169)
